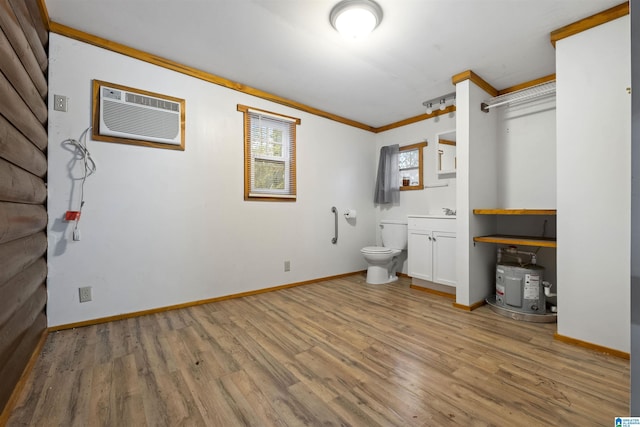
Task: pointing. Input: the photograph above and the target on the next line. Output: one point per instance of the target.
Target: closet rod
(533, 92)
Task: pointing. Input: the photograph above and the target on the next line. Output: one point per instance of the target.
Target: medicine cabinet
(446, 161)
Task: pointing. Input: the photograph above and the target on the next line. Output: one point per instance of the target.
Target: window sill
(411, 187)
(270, 198)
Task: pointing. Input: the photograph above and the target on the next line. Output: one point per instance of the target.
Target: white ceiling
(288, 47)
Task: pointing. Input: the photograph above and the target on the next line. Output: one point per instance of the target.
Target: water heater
(520, 288)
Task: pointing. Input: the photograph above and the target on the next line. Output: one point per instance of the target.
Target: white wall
(635, 214)
(593, 159)
(163, 227)
(527, 155)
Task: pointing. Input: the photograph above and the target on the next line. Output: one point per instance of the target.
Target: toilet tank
(394, 234)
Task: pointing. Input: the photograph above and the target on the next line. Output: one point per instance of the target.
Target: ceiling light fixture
(429, 106)
(442, 102)
(355, 18)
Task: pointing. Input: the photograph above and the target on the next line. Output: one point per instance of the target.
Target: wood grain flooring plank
(155, 351)
(263, 356)
(287, 406)
(543, 412)
(333, 380)
(116, 339)
(27, 404)
(58, 401)
(244, 408)
(321, 414)
(260, 403)
(355, 412)
(348, 377)
(212, 399)
(372, 409)
(313, 381)
(79, 371)
(278, 325)
(228, 350)
(102, 394)
(276, 341)
(419, 377)
(193, 341)
(339, 352)
(127, 398)
(166, 399)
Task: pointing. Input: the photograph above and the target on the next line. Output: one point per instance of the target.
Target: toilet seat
(376, 250)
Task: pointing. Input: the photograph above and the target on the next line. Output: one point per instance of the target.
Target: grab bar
(335, 212)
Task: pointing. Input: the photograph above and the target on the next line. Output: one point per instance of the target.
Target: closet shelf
(546, 242)
(514, 211)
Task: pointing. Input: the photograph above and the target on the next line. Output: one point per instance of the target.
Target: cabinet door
(420, 254)
(444, 258)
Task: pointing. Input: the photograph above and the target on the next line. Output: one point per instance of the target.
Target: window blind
(270, 145)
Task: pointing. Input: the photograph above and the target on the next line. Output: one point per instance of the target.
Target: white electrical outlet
(85, 294)
(287, 266)
(60, 103)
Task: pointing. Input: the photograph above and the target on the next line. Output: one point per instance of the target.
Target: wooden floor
(338, 353)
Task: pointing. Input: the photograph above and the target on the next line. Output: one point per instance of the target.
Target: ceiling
(288, 47)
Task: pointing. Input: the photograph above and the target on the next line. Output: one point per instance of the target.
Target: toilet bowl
(383, 260)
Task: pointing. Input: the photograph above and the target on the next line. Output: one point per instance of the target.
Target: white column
(476, 146)
(593, 73)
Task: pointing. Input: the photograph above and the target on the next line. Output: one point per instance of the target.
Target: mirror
(446, 161)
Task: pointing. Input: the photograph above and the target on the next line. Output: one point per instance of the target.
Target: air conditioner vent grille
(151, 102)
(133, 116)
(140, 120)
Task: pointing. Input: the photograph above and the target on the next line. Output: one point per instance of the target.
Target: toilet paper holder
(350, 214)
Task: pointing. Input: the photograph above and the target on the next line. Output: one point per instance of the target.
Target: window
(269, 155)
(410, 165)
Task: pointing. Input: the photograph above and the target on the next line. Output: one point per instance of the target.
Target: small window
(269, 155)
(410, 165)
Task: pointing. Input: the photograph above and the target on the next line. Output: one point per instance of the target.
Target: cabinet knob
(434, 239)
(429, 237)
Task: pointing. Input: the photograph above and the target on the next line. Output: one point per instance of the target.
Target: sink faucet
(448, 211)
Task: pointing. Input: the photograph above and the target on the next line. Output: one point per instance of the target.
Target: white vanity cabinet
(432, 248)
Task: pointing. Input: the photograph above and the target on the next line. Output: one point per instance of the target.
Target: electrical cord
(544, 232)
(80, 146)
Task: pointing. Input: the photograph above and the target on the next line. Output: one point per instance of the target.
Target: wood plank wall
(23, 168)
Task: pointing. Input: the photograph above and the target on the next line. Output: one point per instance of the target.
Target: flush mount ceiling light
(355, 18)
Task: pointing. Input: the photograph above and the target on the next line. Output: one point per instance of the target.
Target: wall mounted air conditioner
(127, 115)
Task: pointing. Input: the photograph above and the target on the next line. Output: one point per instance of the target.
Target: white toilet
(383, 259)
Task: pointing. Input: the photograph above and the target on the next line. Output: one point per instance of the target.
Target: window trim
(420, 147)
(291, 196)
